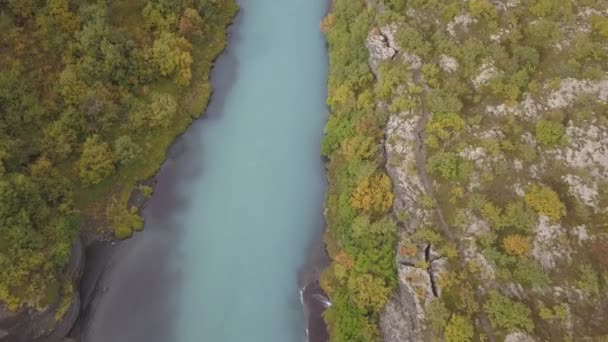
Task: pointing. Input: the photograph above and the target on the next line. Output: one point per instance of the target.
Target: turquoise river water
(238, 201)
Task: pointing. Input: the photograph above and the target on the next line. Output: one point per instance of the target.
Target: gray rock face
(53, 323)
(519, 336)
(403, 316)
(381, 46)
(547, 249)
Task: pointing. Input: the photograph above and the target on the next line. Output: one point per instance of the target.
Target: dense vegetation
(361, 235)
(507, 96)
(91, 95)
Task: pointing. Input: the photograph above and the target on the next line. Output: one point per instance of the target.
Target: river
(238, 201)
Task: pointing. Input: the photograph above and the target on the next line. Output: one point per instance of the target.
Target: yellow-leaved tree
(373, 194)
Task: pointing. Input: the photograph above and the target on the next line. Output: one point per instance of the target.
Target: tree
(588, 279)
(156, 114)
(482, 8)
(190, 23)
(441, 102)
(125, 150)
(550, 132)
(327, 23)
(518, 216)
(445, 126)
(124, 221)
(23, 8)
(171, 55)
(158, 16)
(600, 25)
(506, 314)
(162, 109)
(546, 202)
(96, 161)
(60, 10)
(437, 316)
(448, 165)
(54, 187)
(529, 273)
(369, 292)
(71, 86)
(459, 329)
(372, 195)
(60, 137)
(516, 244)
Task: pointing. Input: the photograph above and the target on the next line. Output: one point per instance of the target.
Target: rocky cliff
(495, 145)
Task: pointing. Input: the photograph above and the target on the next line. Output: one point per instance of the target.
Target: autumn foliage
(345, 260)
(327, 23)
(516, 244)
(546, 202)
(373, 195)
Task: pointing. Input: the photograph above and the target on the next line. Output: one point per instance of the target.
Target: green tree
(124, 221)
(459, 329)
(96, 161)
(125, 150)
(600, 25)
(588, 279)
(448, 165)
(159, 16)
(162, 109)
(71, 86)
(172, 56)
(546, 202)
(482, 8)
(550, 133)
(437, 316)
(369, 292)
(506, 314)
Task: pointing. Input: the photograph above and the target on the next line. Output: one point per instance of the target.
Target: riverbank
(105, 270)
(99, 123)
(313, 298)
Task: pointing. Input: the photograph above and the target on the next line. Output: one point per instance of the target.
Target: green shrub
(125, 150)
(448, 165)
(588, 279)
(545, 202)
(459, 329)
(507, 314)
(96, 161)
(437, 316)
(146, 190)
(445, 126)
(443, 102)
(559, 312)
(550, 133)
(124, 221)
(600, 25)
(519, 217)
(337, 130)
(482, 8)
(530, 274)
(369, 292)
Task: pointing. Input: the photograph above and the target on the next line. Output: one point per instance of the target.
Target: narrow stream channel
(238, 201)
